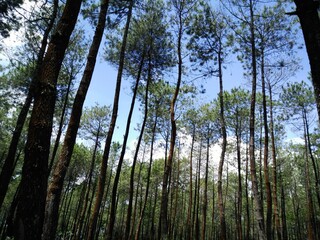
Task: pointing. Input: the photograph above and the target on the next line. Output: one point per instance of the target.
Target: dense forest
(240, 164)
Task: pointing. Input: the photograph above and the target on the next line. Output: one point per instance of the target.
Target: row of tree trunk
(36, 205)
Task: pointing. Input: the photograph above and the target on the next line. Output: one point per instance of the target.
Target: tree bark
(189, 218)
(8, 167)
(135, 158)
(239, 203)
(168, 167)
(255, 190)
(31, 200)
(307, 12)
(56, 184)
(205, 191)
(223, 229)
(266, 153)
(60, 128)
(274, 171)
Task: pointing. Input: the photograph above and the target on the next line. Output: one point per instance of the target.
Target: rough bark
(8, 166)
(307, 12)
(56, 184)
(31, 200)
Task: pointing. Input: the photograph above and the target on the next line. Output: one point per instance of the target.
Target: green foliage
(95, 122)
(208, 38)
(298, 99)
(149, 42)
(8, 17)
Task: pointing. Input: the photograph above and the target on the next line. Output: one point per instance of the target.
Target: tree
(8, 168)
(298, 101)
(31, 196)
(56, 184)
(308, 13)
(237, 119)
(93, 127)
(8, 19)
(104, 164)
(182, 10)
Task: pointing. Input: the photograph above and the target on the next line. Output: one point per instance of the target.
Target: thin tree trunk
(32, 195)
(283, 213)
(314, 166)
(274, 171)
(189, 220)
(247, 197)
(112, 218)
(168, 167)
(239, 203)
(205, 193)
(132, 228)
(137, 234)
(266, 153)
(311, 225)
(56, 184)
(135, 158)
(104, 163)
(197, 197)
(62, 116)
(223, 229)
(88, 188)
(255, 190)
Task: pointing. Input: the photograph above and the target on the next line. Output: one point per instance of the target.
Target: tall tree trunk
(274, 171)
(311, 224)
(136, 198)
(137, 234)
(223, 229)
(56, 184)
(88, 188)
(239, 195)
(205, 192)
(9, 164)
(313, 161)
(112, 218)
(255, 190)
(104, 163)
(308, 14)
(60, 128)
(32, 194)
(248, 228)
(135, 158)
(284, 231)
(266, 152)
(197, 197)
(168, 167)
(189, 218)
